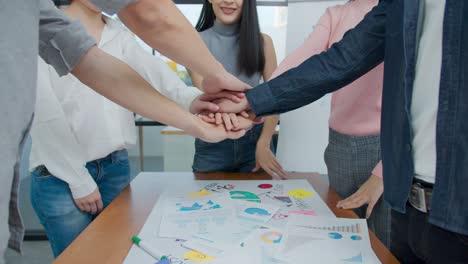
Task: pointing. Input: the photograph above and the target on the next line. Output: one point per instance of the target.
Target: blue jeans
(228, 155)
(54, 205)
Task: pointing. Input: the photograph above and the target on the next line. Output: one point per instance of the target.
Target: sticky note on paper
(300, 193)
(203, 192)
(197, 256)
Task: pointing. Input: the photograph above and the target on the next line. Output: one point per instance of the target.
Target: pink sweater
(355, 109)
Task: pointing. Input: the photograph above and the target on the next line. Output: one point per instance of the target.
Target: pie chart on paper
(272, 237)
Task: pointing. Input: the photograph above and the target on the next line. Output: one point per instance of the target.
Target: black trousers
(415, 240)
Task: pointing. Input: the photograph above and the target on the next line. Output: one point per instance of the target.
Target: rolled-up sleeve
(111, 7)
(62, 42)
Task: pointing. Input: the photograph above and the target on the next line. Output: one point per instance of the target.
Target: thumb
(370, 207)
(207, 106)
(236, 134)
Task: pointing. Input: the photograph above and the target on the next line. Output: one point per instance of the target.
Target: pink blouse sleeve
(316, 42)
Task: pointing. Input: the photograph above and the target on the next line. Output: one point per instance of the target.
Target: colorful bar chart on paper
(356, 228)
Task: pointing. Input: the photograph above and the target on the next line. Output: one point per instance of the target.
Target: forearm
(360, 50)
(121, 84)
(163, 27)
(269, 129)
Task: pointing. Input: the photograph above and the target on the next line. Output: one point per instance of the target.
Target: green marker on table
(151, 251)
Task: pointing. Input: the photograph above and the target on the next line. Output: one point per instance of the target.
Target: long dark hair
(251, 57)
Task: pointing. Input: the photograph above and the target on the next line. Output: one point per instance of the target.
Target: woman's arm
(360, 50)
(317, 42)
(264, 156)
(197, 79)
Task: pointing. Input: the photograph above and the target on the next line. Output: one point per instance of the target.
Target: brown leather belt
(421, 196)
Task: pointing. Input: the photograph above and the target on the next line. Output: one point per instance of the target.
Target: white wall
(304, 132)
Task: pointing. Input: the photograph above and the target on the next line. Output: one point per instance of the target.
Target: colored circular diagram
(272, 237)
(265, 186)
(356, 237)
(256, 211)
(243, 195)
(334, 235)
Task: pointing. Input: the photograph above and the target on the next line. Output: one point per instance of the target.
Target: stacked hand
(225, 108)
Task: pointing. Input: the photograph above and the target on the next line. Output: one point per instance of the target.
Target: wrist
(194, 126)
(264, 141)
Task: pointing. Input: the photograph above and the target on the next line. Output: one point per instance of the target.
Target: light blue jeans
(54, 205)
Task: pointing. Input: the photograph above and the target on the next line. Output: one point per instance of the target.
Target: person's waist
(343, 139)
(348, 124)
(37, 162)
(421, 195)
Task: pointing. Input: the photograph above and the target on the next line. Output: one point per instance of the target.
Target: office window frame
(191, 2)
(259, 2)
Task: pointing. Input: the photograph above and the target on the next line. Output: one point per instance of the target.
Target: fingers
(274, 171)
(354, 201)
(219, 118)
(370, 207)
(227, 122)
(207, 119)
(91, 203)
(257, 167)
(80, 205)
(86, 207)
(234, 120)
(100, 205)
(233, 96)
(271, 172)
(209, 106)
(244, 114)
(278, 169)
(93, 208)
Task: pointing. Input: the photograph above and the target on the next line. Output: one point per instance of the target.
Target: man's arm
(163, 27)
(117, 81)
(62, 42)
(360, 50)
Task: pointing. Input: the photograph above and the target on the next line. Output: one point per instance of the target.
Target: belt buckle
(418, 197)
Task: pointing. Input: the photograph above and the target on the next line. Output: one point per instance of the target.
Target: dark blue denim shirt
(390, 32)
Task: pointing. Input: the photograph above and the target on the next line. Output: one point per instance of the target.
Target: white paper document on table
(255, 222)
(327, 240)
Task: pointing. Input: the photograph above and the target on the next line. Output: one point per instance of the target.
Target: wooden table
(107, 239)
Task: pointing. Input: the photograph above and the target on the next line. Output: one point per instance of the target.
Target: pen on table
(151, 251)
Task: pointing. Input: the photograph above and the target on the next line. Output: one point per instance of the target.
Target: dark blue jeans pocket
(120, 157)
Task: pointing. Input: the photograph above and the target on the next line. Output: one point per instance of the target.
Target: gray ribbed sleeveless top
(223, 42)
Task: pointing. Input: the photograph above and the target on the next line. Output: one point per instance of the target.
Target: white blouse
(74, 125)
